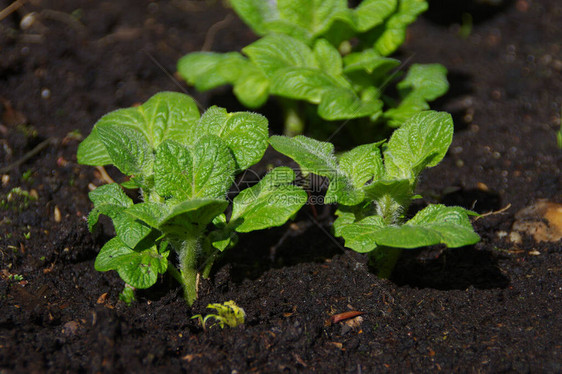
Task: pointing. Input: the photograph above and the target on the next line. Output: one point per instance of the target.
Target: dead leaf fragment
(343, 316)
(103, 298)
(11, 117)
(542, 220)
(190, 357)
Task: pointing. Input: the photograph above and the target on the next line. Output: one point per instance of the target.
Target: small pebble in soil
(542, 220)
(70, 328)
(57, 215)
(28, 20)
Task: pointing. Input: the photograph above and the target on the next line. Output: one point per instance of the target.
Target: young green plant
(306, 55)
(374, 189)
(228, 314)
(183, 165)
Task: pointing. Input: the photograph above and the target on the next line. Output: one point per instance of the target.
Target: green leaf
(173, 170)
(362, 164)
(269, 203)
(394, 32)
(224, 236)
(302, 84)
(191, 217)
(421, 142)
(110, 194)
(428, 81)
(111, 201)
(213, 169)
(204, 69)
(91, 151)
(112, 255)
(344, 218)
(256, 13)
(207, 70)
(274, 52)
(312, 155)
(318, 157)
(138, 269)
(245, 133)
(126, 137)
(252, 87)
(205, 172)
(282, 26)
(342, 191)
(128, 149)
(313, 15)
(150, 213)
(436, 224)
(390, 40)
(361, 236)
(411, 105)
(342, 103)
(400, 190)
(369, 61)
(328, 58)
(371, 13)
(168, 115)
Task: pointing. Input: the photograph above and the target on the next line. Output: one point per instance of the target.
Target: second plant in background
(323, 53)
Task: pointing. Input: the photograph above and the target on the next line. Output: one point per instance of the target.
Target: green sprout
(15, 277)
(17, 199)
(26, 176)
(229, 314)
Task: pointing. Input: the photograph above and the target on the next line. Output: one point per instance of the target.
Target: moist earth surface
(491, 307)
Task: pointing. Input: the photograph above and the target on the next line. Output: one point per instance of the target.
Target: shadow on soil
(453, 269)
(447, 12)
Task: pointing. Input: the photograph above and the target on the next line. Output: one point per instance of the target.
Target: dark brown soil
(493, 307)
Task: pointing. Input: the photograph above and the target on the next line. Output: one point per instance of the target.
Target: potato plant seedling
(183, 165)
(374, 184)
(325, 54)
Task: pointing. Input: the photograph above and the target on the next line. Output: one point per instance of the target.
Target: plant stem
(294, 123)
(383, 259)
(188, 251)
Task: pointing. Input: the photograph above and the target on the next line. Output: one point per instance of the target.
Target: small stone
(501, 234)
(57, 214)
(28, 20)
(515, 237)
(542, 220)
(70, 328)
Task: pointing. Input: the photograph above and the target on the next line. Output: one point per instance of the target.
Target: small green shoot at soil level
(184, 165)
(229, 314)
(15, 277)
(323, 53)
(374, 192)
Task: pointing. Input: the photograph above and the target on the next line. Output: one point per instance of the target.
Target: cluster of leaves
(305, 54)
(228, 314)
(374, 184)
(184, 165)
